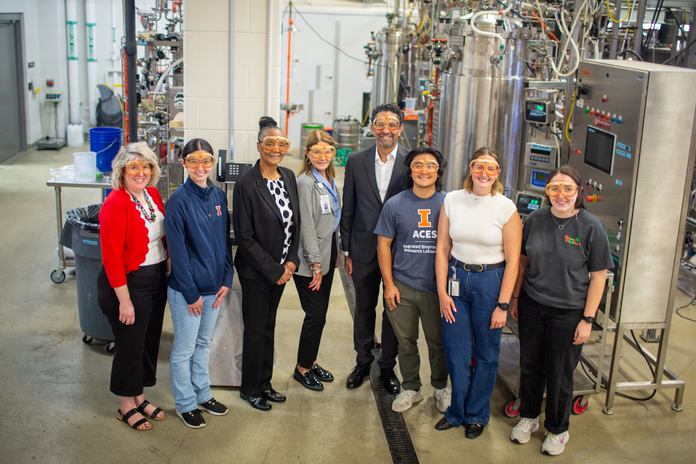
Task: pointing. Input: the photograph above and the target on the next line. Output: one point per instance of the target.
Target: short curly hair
(133, 151)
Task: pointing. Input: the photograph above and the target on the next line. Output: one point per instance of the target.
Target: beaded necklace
(152, 217)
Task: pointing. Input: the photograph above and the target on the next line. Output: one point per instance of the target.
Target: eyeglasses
(420, 166)
(389, 122)
(318, 152)
(134, 167)
(270, 143)
(478, 166)
(193, 161)
(567, 189)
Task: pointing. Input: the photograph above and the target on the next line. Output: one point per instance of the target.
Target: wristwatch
(504, 306)
(588, 319)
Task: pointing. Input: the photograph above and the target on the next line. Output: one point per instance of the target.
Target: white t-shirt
(155, 231)
(476, 226)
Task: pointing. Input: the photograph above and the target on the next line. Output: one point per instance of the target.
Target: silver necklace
(562, 226)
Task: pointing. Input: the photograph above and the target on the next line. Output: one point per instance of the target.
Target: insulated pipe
(73, 61)
(91, 20)
(131, 51)
(166, 73)
(115, 55)
(269, 55)
(230, 152)
(287, 91)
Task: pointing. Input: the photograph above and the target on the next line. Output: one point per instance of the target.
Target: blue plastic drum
(105, 142)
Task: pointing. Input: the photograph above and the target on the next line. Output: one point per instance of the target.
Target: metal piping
(269, 55)
(131, 51)
(91, 20)
(230, 150)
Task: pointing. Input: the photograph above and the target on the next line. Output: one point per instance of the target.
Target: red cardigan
(123, 234)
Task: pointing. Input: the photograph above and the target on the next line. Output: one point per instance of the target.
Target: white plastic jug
(76, 135)
(85, 166)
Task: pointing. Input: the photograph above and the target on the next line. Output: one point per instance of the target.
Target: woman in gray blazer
(320, 207)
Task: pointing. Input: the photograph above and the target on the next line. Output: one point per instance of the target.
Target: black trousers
(548, 359)
(366, 280)
(315, 306)
(259, 309)
(137, 345)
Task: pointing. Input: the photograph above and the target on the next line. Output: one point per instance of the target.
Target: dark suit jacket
(258, 227)
(362, 203)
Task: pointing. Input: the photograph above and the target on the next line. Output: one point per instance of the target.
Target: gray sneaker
(443, 398)
(524, 429)
(405, 400)
(555, 443)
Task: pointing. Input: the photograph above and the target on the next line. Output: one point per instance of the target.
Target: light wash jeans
(188, 364)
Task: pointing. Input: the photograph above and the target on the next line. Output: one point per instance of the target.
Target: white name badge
(325, 203)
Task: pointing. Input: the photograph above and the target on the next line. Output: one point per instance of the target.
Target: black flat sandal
(155, 413)
(128, 415)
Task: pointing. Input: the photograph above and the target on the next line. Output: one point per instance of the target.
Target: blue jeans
(188, 364)
(470, 336)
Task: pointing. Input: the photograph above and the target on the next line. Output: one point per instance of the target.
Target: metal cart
(58, 274)
(509, 368)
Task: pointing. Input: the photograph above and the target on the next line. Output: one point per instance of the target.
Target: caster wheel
(58, 276)
(87, 340)
(578, 407)
(110, 347)
(510, 409)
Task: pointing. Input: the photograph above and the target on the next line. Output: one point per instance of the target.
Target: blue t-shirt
(412, 223)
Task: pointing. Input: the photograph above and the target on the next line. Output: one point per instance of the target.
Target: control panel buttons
(587, 109)
(619, 120)
(613, 118)
(608, 117)
(577, 151)
(592, 111)
(604, 99)
(618, 236)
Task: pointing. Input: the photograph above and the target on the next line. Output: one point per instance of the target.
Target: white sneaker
(555, 444)
(405, 400)
(443, 398)
(522, 432)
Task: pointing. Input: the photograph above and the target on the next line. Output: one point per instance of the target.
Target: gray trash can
(81, 234)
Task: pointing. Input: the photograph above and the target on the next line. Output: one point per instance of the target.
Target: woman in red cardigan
(132, 285)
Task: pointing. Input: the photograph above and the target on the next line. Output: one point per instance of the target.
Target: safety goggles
(193, 161)
(271, 143)
(318, 152)
(134, 167)
(428, 166)
(479, 166)
(567, 189)
(389, 122)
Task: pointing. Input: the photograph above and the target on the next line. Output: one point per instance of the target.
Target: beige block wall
(206, 72)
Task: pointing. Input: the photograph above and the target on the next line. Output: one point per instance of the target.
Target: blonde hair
(469, 182)
(133, 151)
(313, 138)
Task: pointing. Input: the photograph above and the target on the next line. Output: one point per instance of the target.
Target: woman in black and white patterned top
(266, 218)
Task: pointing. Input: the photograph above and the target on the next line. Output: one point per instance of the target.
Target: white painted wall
(309, 51)
(206, 71)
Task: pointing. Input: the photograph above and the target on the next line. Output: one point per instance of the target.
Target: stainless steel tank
(482, 98)
(394, 60)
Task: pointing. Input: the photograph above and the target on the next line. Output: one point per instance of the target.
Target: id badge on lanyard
(325, 203)
(453, 283)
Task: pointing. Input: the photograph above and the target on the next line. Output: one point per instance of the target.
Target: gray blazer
(317, 229)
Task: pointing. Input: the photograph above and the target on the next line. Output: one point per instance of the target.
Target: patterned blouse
(280, 195)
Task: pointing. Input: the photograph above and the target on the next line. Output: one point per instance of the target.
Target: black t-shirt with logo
(560, 260)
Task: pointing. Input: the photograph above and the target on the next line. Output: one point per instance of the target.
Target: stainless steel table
(58, 274)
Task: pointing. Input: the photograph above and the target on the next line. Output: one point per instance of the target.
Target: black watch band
(504, 306)
(588, 319)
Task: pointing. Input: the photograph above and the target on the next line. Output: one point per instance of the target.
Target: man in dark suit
(372, 176)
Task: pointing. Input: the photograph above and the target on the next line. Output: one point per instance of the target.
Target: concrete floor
(57, 407)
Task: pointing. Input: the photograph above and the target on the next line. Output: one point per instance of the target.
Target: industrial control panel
(633, 147)
(539, 160)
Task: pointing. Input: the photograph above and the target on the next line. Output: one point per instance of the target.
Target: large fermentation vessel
(482, 95)
(394, 67)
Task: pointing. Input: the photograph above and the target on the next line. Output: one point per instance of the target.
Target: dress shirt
(383, 171)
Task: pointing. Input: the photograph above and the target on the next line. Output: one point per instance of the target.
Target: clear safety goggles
(326, 152)
(193, 161)
(389, 122)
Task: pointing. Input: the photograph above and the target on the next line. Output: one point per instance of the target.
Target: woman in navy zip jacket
(198, 231)
(266, 217)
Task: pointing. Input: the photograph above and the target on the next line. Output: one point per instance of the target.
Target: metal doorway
(13, 136)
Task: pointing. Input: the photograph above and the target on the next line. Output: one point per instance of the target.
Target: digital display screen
(539, 176)
(527, 203)
(599, 149)
(536, 112)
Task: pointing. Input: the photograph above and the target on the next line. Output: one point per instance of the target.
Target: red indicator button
(604, 99)
(593, 198)
(592, 111)
(577, 151)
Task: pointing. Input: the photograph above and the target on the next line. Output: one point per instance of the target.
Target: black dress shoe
(355, 379)
(390, 380)
(273, 396)
(308, 380)
(256, 402)
(443, 424)
(322, 374)
(473, 430)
